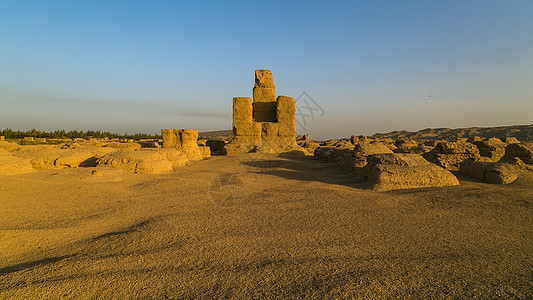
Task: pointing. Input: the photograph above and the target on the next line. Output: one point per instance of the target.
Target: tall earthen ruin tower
(266, 124)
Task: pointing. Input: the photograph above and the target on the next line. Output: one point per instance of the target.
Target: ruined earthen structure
(184, 140)
(266, 124)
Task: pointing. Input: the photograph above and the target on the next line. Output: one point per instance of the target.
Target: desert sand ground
(259, 226)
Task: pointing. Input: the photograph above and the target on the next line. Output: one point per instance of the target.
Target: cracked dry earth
(259, 226)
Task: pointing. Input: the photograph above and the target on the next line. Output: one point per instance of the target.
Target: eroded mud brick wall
(265, 116)
(264, 94)
(243, 124)
(265, 123)
(185, 140)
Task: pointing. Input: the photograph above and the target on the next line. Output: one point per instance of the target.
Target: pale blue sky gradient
(139, 66)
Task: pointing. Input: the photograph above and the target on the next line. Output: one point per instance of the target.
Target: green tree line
(63, 134)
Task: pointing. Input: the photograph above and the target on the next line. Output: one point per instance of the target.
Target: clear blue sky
(372, 66)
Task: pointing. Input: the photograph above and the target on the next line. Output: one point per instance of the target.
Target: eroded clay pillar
(243, 124)
(264, 94)
(286, 109)
(184, 140)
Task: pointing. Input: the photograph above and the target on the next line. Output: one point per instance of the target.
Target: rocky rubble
(516, 162)
(387, 170)
(450, 154)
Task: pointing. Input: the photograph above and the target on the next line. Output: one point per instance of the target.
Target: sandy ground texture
(259, 226)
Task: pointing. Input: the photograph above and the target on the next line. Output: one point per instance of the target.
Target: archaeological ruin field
(261, 212)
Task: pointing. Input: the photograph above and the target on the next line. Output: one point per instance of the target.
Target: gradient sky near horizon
(371, 66)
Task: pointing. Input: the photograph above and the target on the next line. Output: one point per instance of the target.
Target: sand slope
(259, 226)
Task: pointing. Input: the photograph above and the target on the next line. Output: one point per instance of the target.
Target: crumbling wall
(265, 124)
(184, 140)
(264, 94)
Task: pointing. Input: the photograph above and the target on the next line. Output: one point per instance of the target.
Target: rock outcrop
(493, 148)
(523, 151)
(122, 146)
(356, 159)
(502, 172)
(395, 171)
(450, 154)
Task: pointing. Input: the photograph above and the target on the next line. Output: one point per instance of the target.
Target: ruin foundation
(265, 124)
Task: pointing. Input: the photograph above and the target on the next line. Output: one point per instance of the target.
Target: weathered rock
(355, 159)
(177, 158)
(205, 151)
(143, 161)
(385, 141)
(450, 154)
(361, 139)
(123, 146)
(51, 156)
(10, 165)
(323, 152)
(431, 143)
(476, 167)
(330, 143)
(411, 146)
(75, 158)
(304, 138)
(486, 170)
(502, 173)
(404, 171)
(70, 145)
(492, 148)
(364, 150)
(474, 139)
(308, 145)
(405, 144)
(523, 151)
(148, 144)
(511, 140)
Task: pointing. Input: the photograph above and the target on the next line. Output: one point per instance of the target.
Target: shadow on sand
(306, 168)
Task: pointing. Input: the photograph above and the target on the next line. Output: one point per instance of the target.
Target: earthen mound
(405, 171)
(144, 161)
(10, 164)
(450, 155)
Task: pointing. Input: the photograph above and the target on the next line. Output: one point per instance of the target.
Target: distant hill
(521, 132)
(219, 134)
